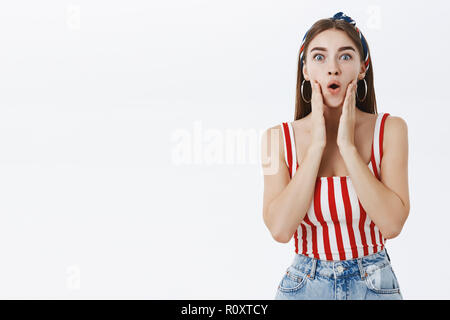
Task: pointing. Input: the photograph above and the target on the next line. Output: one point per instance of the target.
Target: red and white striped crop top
(336, 226)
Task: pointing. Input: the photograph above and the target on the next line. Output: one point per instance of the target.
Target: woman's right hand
(318, 131)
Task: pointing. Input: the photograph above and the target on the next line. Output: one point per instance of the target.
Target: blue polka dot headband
(342, 16)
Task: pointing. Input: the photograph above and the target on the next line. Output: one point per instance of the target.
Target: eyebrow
(340, 49)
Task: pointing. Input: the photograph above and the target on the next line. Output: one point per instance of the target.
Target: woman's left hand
(346, 130)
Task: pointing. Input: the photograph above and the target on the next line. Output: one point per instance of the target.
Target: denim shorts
(366, 278)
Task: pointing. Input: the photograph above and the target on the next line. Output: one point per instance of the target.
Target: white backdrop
(130, 137)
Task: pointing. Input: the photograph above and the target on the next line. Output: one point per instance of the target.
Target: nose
(333, 68)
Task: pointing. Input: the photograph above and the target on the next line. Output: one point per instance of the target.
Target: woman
(336, 178)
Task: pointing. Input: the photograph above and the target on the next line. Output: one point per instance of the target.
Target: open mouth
(333, 86)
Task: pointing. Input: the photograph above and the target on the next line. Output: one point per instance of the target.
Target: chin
(334, 102)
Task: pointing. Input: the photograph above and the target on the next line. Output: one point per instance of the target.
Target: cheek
(350, 68)
(353, 68)
(315, 71)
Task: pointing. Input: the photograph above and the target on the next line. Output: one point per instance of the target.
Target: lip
(334, 91)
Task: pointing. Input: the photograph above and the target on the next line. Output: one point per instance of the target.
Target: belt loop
(312, 272)
(361, 269)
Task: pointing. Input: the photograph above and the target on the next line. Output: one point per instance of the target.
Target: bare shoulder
(395, 122)
(395, 131)
(301, 125)
(271, 145)
(273, 134)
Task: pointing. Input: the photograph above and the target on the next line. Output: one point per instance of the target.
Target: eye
(347, 55)
(316, 56)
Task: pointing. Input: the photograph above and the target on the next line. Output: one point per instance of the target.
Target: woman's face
(332, 55)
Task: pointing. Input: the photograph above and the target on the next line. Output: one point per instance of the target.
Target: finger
(348, 93)
(318, 88)
(315, 89)
(348, 96)
(352, 88)
(352, 98)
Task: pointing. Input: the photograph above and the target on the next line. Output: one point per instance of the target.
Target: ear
(305, 73)
(362, 71)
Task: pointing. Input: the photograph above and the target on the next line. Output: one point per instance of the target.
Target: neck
(332, 116)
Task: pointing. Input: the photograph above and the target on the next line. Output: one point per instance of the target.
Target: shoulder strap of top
(290, 155)
(377, 146)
